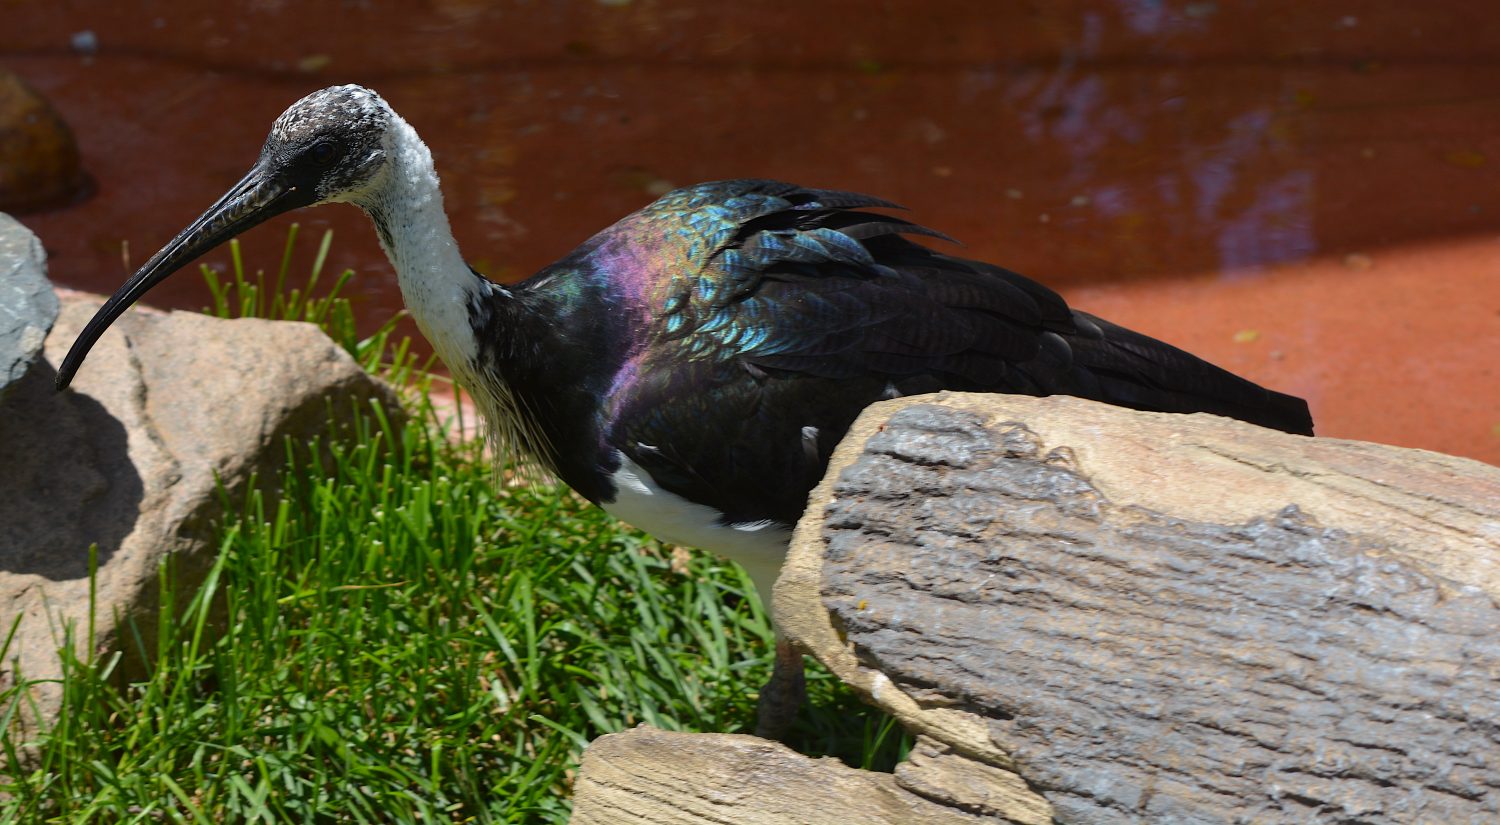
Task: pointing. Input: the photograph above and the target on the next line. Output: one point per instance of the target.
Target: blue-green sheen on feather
(710, 247)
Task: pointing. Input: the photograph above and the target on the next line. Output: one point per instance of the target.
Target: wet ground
(1306, 193)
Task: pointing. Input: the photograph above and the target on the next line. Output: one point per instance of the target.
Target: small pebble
(314, 63)
(84, 42)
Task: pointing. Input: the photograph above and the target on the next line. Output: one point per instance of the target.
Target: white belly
(759, 546)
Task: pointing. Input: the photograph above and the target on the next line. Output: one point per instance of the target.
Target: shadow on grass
(836, 722)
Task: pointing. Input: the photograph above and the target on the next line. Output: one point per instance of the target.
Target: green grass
(394, 638)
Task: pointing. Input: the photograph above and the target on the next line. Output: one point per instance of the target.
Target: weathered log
(653, 777)
(1141, 617)
(1093, 615)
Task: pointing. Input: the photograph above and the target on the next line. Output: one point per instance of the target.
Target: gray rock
(166, 406)
(28, 306)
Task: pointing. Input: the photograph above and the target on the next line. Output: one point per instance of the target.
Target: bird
(691, 368)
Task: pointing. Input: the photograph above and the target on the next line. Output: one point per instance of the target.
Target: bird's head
(335, 145)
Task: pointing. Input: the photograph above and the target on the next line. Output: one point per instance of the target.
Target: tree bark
(646, 776)
(1142, 617)
(1095, 615)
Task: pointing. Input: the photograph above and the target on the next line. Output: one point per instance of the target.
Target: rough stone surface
(646, 776)
(28, 306)
(1125, 617)
(166, 407)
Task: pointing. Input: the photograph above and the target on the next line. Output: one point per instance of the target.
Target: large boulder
(168, 407)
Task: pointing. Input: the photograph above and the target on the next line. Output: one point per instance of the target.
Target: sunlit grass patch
(392, 637)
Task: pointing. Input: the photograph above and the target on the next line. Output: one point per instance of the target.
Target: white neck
(436, 284)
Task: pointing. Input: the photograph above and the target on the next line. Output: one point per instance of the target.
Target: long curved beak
(255, 199)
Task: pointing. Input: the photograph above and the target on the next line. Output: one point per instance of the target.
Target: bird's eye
(324, 152)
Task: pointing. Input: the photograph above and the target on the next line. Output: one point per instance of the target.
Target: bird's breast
(759, 546)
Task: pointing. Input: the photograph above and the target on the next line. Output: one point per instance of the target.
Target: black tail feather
(1136, 371)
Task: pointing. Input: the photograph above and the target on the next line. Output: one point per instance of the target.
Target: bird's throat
(451, 304)
(437, 285)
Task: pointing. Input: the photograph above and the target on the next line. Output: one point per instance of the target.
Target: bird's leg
(783, 693)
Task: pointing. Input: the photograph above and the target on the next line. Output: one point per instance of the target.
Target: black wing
(807, 313)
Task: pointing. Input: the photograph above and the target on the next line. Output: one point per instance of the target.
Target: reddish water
(1305, 192)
